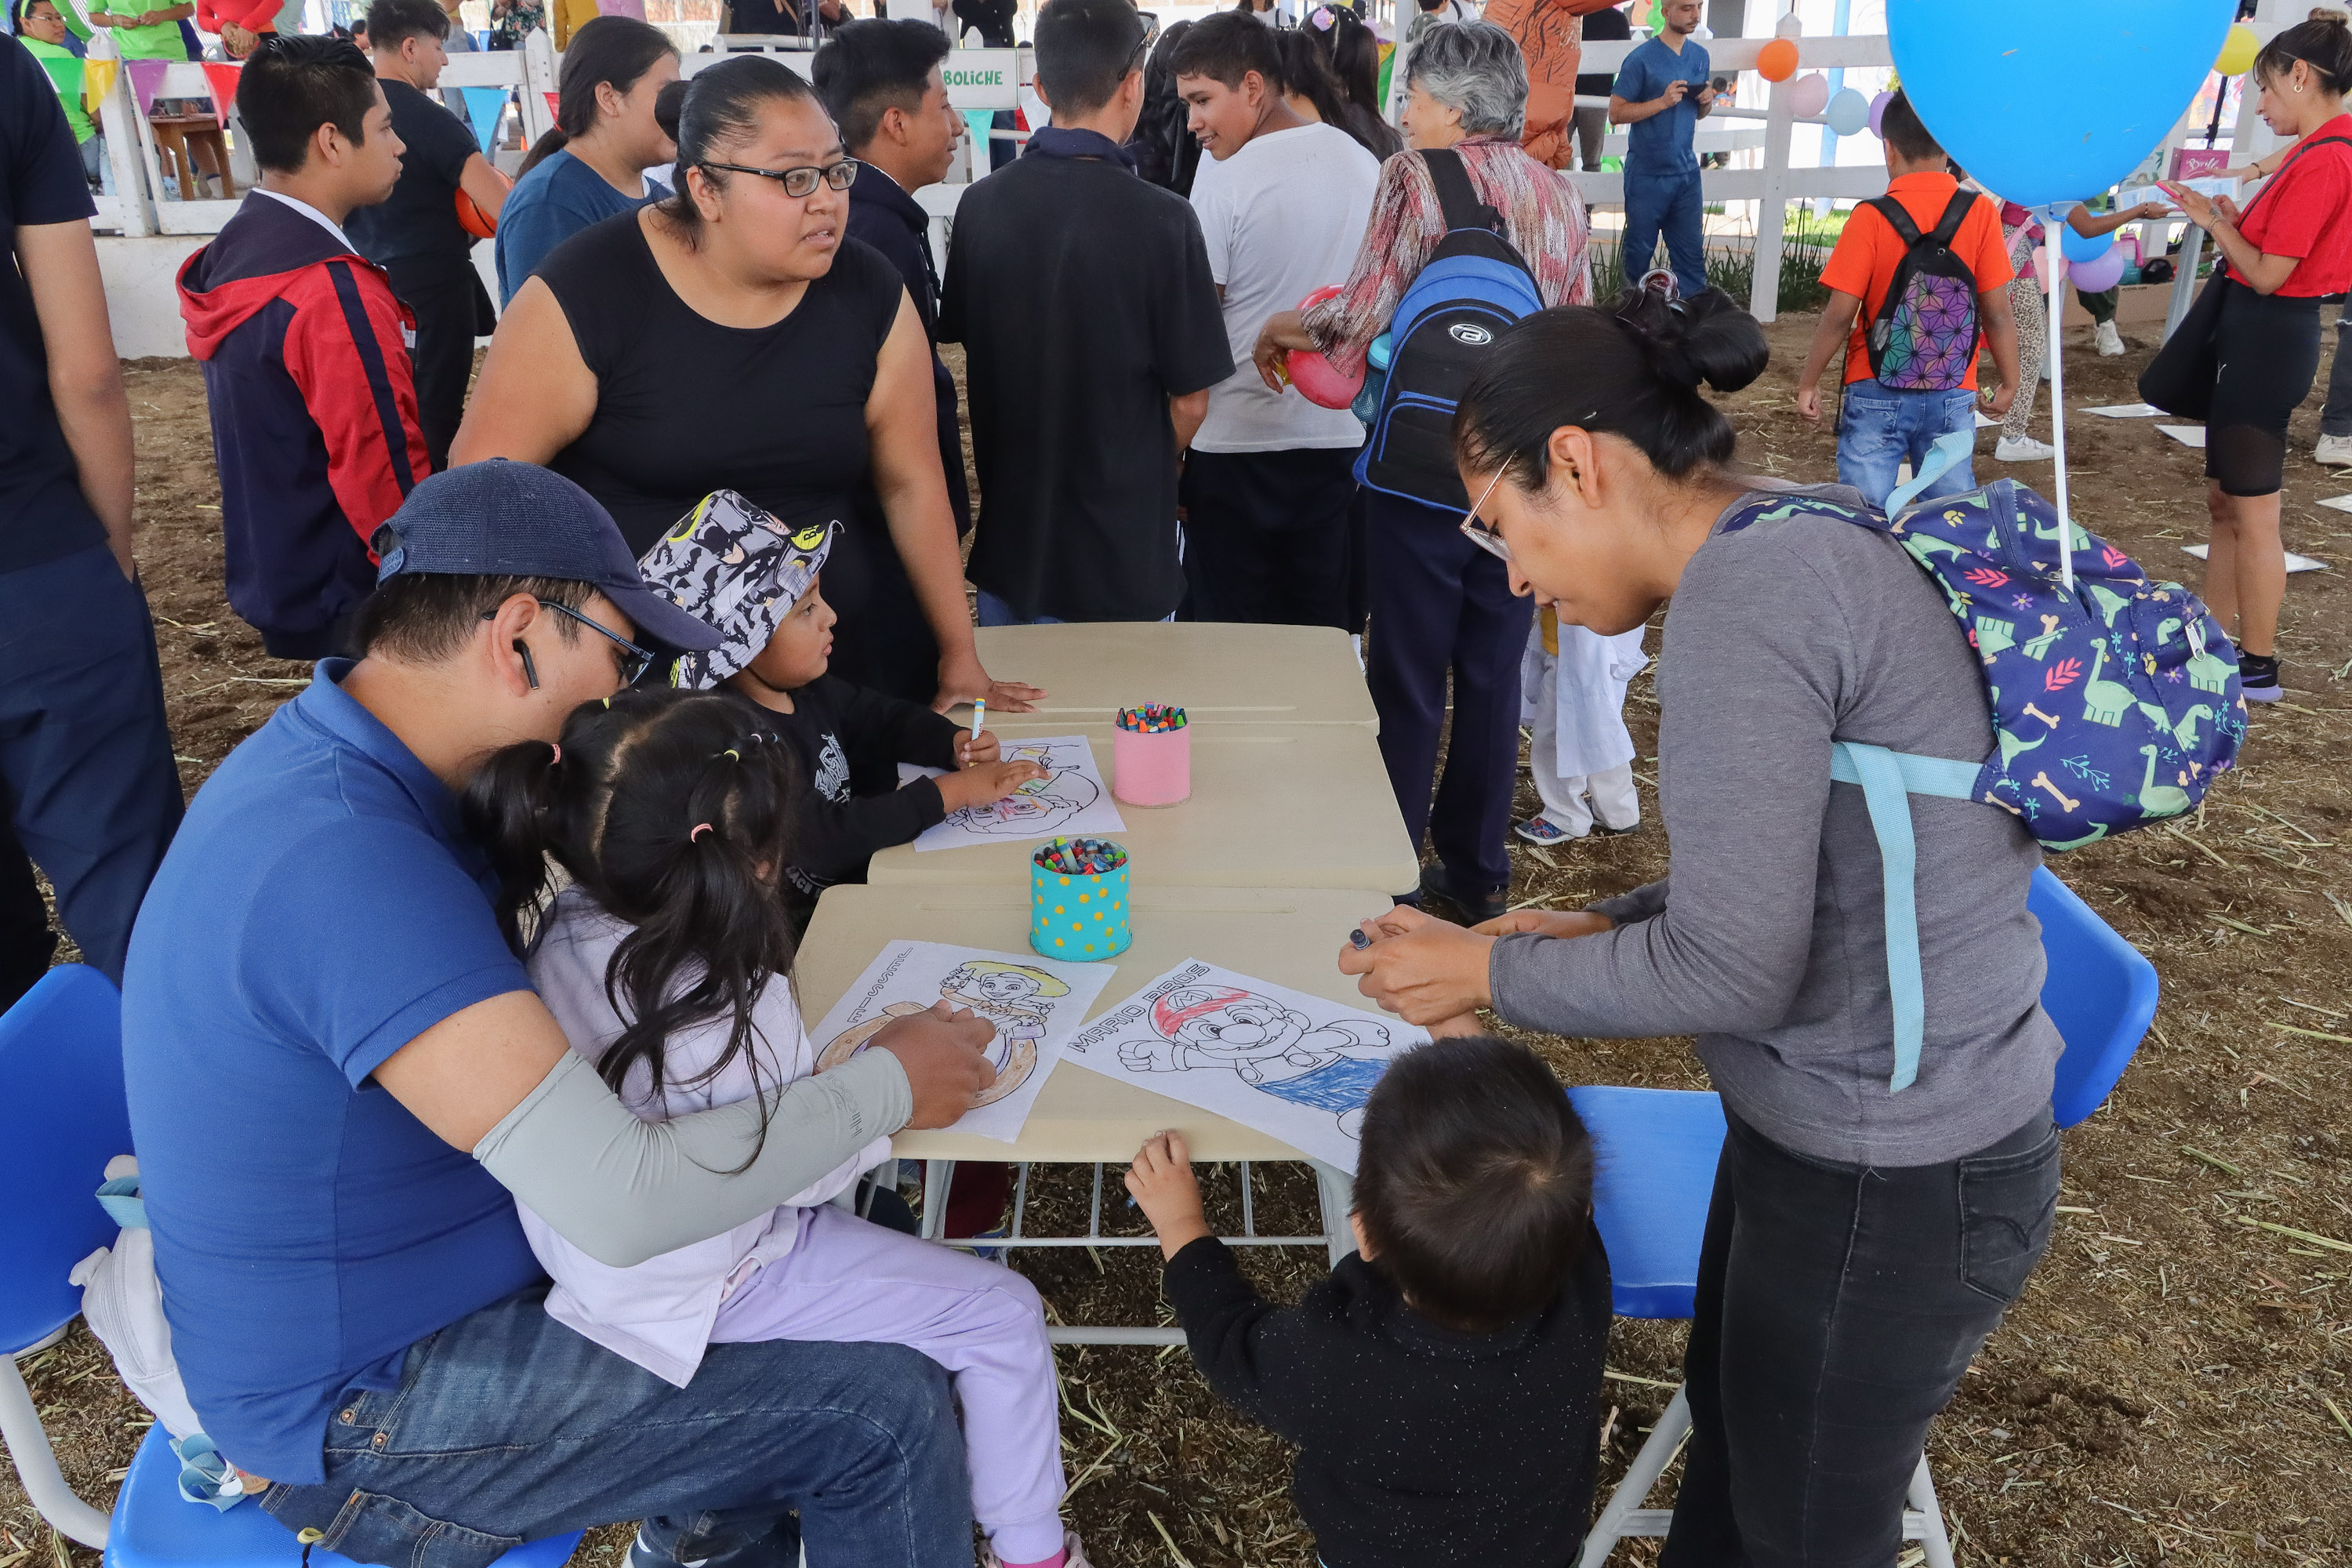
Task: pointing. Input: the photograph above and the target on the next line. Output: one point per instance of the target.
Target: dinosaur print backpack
(2113, 706)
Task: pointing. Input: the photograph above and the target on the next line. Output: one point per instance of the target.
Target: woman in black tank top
(735, 337)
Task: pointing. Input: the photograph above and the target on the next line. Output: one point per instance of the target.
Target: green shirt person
(42, 30)
(143, 35)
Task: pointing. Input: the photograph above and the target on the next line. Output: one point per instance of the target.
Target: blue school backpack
(1924, 338)
(1474, 285)
(2113, 707)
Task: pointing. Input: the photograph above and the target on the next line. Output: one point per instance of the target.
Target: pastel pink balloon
(1809, 94)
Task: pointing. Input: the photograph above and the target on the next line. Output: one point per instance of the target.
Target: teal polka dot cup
(1078, 908)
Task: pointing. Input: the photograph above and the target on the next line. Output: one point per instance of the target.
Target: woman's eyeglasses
(1478, 532)
(802, 181)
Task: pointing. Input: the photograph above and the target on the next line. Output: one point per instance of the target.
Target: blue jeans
(508, 1427)
(1671, 203)
(1881, 428)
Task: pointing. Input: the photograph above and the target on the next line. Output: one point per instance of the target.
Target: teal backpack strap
(1948, 449)
(1887, 779)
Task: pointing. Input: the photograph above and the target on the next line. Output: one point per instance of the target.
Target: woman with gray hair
(1438, 603)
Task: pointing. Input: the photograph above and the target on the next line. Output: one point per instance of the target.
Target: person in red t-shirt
(241, 25)
(2292, 245)
(1880, 427)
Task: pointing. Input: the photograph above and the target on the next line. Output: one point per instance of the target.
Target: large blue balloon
(2047, 102)
(2079, 247)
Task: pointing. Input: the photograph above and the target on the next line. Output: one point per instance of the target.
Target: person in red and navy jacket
(305, 350)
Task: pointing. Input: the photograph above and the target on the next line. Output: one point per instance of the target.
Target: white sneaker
(2335, 451)
(2026, 450)
(2110, 342)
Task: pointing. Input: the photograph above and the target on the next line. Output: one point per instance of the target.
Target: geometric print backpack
(2113, 706)
(1924, 338)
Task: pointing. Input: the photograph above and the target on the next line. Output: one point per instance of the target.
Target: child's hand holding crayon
(973, 750)
(986, 782)
(1161, 1182)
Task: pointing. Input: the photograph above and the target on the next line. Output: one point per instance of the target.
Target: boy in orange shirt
(1920, 384)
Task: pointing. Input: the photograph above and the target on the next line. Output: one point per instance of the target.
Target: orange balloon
(1777, 62)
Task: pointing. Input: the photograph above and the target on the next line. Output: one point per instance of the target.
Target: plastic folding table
(1273, 805)
(1288, 936)
(1233, 674)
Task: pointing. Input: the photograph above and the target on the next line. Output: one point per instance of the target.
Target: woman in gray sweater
(1861, 1241)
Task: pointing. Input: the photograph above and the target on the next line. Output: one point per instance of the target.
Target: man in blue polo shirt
(1663, 93)
(322, 1022)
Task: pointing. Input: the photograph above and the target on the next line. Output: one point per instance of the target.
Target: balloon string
(2056, 297)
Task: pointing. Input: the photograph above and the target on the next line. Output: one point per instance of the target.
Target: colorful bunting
(97, 81)
(221, 77)
(146, 81)
(484, 105)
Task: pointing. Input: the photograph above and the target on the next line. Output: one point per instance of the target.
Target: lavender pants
(847, 1281)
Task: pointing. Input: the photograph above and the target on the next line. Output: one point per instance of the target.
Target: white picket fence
(987, 80)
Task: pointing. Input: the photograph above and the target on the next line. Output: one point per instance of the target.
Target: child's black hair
(1632, 371)
(1225, 47)
(1474, 1187)
(292, 86)
(1907, 132)
(673, 811)
(1085, 50)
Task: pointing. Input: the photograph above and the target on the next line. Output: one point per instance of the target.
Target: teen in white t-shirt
(1283, 204)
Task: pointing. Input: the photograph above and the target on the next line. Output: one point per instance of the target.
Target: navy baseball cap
(505, 519)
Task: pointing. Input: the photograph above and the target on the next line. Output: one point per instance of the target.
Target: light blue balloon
(1848, 114)
(2052, 103)
(2078, 248)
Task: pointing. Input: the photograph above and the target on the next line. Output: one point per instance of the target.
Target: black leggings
(2268, 350)
(1838, 1307)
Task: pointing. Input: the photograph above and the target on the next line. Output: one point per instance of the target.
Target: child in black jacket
(1440, 1385)
(732, 564)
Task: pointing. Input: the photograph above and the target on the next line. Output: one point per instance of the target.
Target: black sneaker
(1472, 907)
(2258, 678)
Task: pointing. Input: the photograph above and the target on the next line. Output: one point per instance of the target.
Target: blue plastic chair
(1654, 1153)
(62, 1116)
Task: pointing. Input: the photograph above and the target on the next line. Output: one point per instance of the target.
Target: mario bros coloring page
(1292, 1066)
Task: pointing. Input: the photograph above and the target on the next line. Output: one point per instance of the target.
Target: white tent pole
(2053, 222)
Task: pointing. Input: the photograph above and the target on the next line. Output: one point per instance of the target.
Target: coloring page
(1292, 1066)
(1035, 1004)
(1071, 800)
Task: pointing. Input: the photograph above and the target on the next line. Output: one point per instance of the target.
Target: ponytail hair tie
(554, 754)
(699, 829)
(732, 752)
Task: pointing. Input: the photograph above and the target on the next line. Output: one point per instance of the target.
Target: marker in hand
(978, 717)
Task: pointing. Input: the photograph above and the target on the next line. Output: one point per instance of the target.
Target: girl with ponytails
(668, 960)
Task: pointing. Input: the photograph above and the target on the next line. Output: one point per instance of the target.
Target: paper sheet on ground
(2341, 503)
(1035, 1003)
(2127, 410)
(2293, 563)
(1071, 801)
(2187, 435)
(1986, 421)
(1291, 1066)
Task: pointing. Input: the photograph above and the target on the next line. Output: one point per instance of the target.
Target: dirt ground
(2173, 1385)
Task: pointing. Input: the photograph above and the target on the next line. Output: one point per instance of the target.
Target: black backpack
(1473, 285)
(1924, 338)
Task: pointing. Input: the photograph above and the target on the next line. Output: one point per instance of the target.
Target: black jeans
(1442, 605)
(1267, 535)
(1838, 1307)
